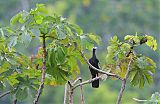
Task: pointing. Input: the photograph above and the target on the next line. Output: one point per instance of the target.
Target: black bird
(94, 62)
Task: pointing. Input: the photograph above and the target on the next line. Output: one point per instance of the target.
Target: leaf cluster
(63, 43)
(118, 56)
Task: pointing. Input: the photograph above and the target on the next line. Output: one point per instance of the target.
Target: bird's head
(94, 48)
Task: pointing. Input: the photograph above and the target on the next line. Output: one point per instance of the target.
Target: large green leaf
(12, 41)
(95, 38)
(86, 42)
(1, 86)
(60, 33)
(26, 38)
(60, 55)
(15, 18)
(151, 42)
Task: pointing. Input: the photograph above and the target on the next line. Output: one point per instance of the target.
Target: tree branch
(4, 94)
(15, 101)
(70, 98)
(65, 93)
(138, 100)
(124, 83)
(100, 71)
(82, 96)
(43, 73)
(86, 82)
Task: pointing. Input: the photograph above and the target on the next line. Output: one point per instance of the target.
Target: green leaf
(12, 79)
(60, 33)
(51, 58)
(95, 38)
(1, 86)
(151, 42)
(148, 77)
(86, 42)
(141, 82)
(12, 41)
(60, 55)
(49, 19)
(44, 30)
(135, 80)
(132, 74)
(6, 65)
(128, 37)
(76, 29)
(38, 19)
(41, 8)
(73, 66)
(21, 94)
(15, 18)
(2, 33)
(26, 38)
(32, 90)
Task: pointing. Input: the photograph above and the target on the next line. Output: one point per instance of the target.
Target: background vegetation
(106, 18)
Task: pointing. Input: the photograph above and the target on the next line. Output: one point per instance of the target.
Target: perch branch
(100, 71)
(124, 83)
(43, 73)
(86, 82)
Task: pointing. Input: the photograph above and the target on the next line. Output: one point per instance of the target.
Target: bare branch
(70, 91)
(82, 96)
(43, 73)
(86, 82)
(138, 100)
(4, 94)
(15, 101)
(124, 83)
(100, 71)
(79, 78)
(65, 93)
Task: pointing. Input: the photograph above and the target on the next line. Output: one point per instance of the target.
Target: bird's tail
(95, 84)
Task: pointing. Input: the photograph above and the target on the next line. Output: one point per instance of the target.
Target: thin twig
(82, 96)
(100, 71)
(138, 100)
(43, 73)
(65, 93)
(5, 93)
(124, 83)
(79, 78)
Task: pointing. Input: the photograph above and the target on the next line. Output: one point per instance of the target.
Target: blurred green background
(105, 18)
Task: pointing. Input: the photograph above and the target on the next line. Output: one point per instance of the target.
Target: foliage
(119, 53)
(155, 98)
(23, 73)
(64, 41)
